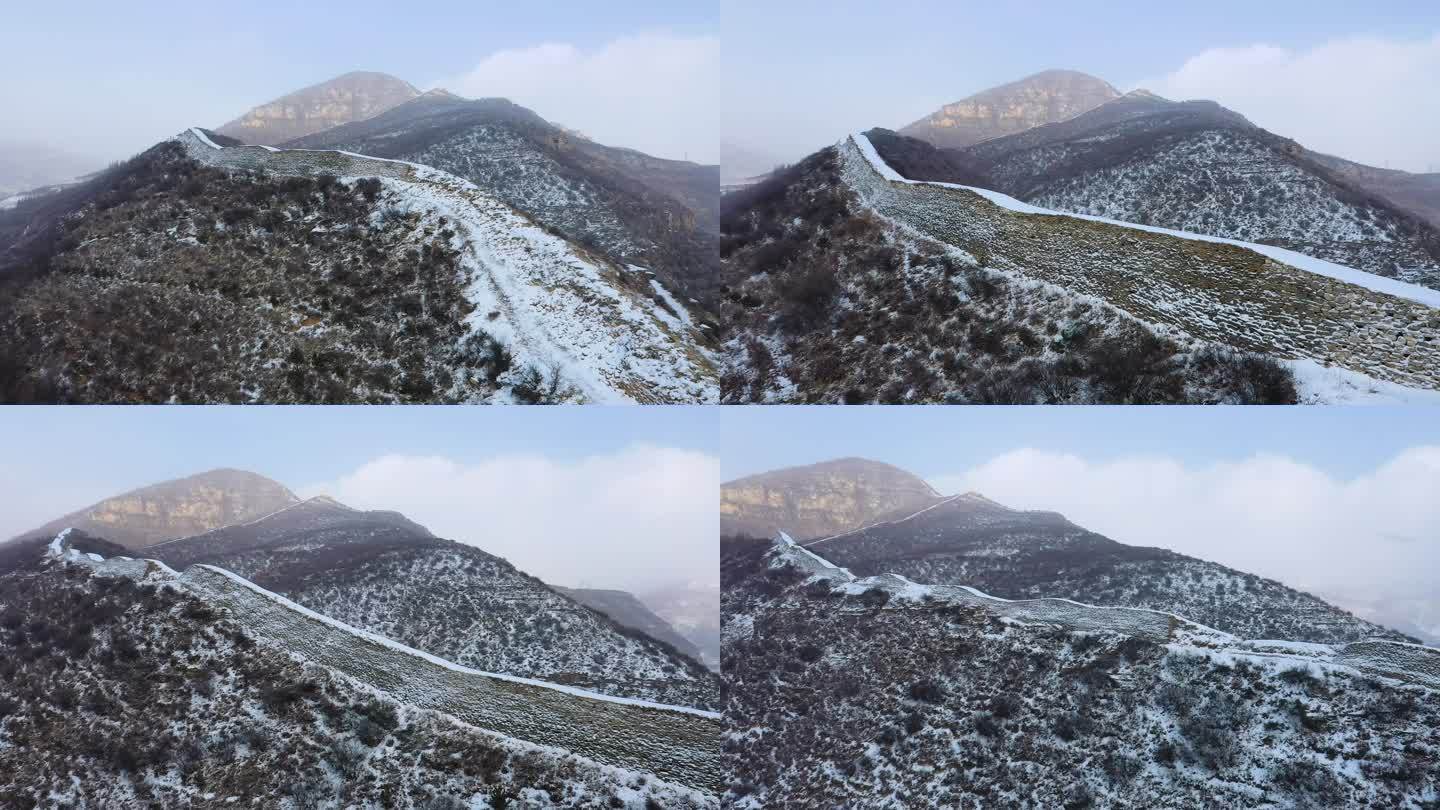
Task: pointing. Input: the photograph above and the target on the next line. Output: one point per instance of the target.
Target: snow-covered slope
(388, 575)
(571, 316)
(1252, 296)
(885, 693)
(674, 743)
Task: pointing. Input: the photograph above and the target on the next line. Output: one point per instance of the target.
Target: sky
(108, 80)
(1354, 79)
(605, 497)
(1318, 498)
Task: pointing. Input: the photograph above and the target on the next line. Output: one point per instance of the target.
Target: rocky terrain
(1044, 98)
(882, 693)
(174, 509)
(396, 283)
(819, 500)
(381, 572)
(639, 210)
(1196, 166)
(123, 684)
(833, 294)
(972, 541)
(341, 100)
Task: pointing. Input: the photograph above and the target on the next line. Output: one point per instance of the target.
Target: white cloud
(653, 92)
(635, 519)
(1367, 99)
(1268, 515)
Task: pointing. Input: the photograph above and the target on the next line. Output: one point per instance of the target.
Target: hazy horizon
(578, 497)
(1320, 498)
(1353, 81)
(635, 76)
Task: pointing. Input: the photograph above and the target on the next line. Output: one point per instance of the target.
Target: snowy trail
(558, 310)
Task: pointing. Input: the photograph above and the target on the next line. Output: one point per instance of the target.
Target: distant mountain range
(1047, 97)
(971, 540)
(28, 166)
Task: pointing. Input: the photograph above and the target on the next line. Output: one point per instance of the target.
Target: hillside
(1198, 167)
(341, 100)
(626, 609)
(633, 208)
(886, 694)
(355, 280)
(831, 295)
(1044, 98)
(174, 509)
(973, 541)
(846, 282)
(384, 573)
(125, 684)
(819, 500)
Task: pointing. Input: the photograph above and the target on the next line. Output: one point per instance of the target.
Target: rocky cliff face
(179, 508)
(1045, 98)
(342, 100)
(819, 500)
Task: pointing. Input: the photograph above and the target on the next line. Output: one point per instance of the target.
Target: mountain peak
(344, 99)
(819, 500)
(1047, 97)
(178, 508)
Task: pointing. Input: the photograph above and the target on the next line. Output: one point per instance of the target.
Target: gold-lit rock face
(342, 100)
(819, 500)
(180, 508)
(1045, 98)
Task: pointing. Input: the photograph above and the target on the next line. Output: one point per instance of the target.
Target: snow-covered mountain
(970, 540)
(884, 693)
(381, 572)
(1196, 166)
(123, 683)
(353, 280)
(693, 609)
(1046, 97)
(628, 206)
(846, 282)
(352, 97)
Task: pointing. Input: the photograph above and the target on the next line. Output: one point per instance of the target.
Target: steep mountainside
(381, 572)
(638, 210)
(626, 609)
(693, 609)
(173, 509)
(846, 282)
(395, 283)
(831, 298)
(887, 694)
(818, 500)
(1045, 98)
(1418, 193)
(125, 685)
(341, 100)
(1195, 166)
(971, 540)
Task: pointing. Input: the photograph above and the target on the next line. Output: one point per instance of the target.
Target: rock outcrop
(819, 500)
(342, 100)
(1045, 98)
(179, 508)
